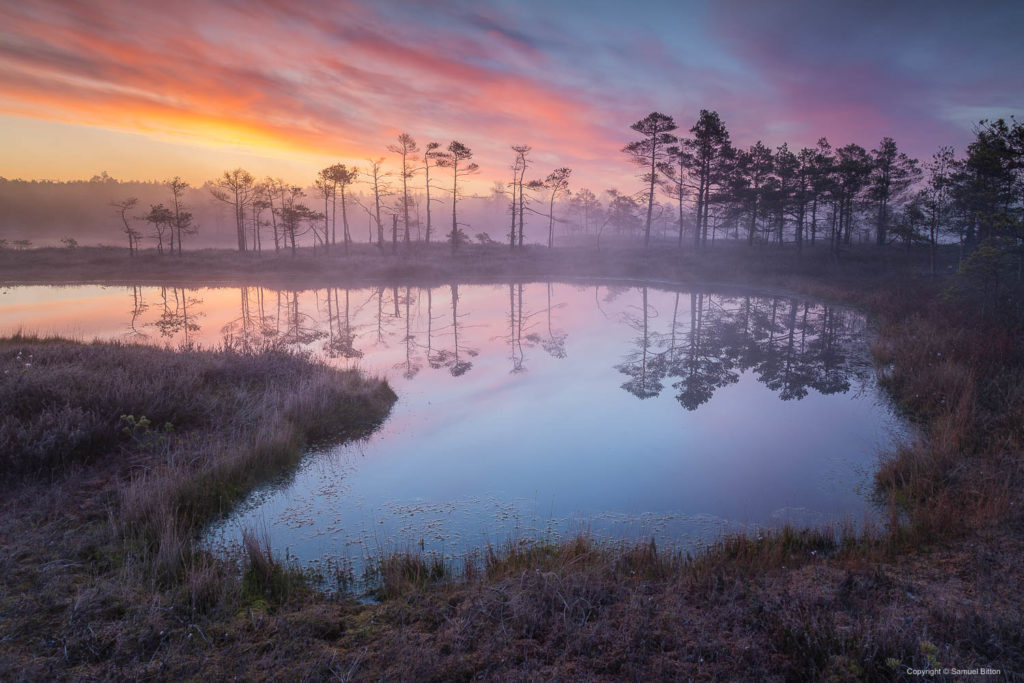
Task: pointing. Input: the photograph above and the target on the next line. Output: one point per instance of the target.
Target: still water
(537, 410)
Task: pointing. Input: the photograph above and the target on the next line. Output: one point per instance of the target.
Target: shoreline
(830, 602)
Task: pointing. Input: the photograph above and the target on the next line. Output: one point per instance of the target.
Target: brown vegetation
(938, 586)
(115, 456)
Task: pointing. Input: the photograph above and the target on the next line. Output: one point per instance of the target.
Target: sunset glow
(146, 90)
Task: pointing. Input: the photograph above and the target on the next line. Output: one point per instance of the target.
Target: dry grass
(99, 526)
(939, 587)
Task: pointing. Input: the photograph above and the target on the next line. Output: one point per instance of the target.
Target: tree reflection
(704, 366)
(695, 345)
(644, 368)
(300, 329)
(554, 342)
(411, 366)
(455, 359)
(515, 328)
(252, 328)
(138, 308)
(790, 346)
(340, 332)
(176, 318)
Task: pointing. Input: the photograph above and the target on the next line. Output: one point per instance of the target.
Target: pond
(536, 410)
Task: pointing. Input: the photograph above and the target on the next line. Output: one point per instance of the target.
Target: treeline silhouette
(696, 189)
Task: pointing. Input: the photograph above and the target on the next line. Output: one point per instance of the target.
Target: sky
(148, 90)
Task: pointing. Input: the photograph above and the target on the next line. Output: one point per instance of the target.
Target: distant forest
(690, 189)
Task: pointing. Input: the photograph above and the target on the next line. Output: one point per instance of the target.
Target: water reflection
(518, 407)
(175, 319)
(690, 344)
(789, 345)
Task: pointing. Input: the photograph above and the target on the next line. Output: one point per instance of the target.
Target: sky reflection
(529, 409)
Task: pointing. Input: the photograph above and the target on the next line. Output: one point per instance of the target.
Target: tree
(558, 183)
(327, 188)
(457, 152)
(522, 152)
(381, 188)
(756, 167)
(235, 188)
(891, 173)
(786, 167)
(988, 182)
(182, 218)
(292, 214)
(343, 177)
(908, 223)
(405, 147)
(429, 154)
(852, 172)
(649, 152)
(707, 156)
(123, 206)
(822, 181)
(512, 204)
(622, 212)
(803, 192)
(936, 196)
(269, 190)
(161, 218)
(260, 203)
(586, 204)
(674, 173)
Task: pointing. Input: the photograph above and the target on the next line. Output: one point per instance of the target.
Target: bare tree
(650, 152)
(236, 188)
(381, 188)
(512, 205)
(406, 146)
(123, 207)
(522, 151)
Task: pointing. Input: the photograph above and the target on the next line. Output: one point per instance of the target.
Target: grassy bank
(937, 586)
(114, 457)
(86, 589)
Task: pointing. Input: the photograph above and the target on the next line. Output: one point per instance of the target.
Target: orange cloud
(277, 79)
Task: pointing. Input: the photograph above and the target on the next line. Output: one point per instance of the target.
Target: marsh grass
(937, 585)
(115, 456)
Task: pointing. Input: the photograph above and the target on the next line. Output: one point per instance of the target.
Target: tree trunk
(455, 199)
(650, 196)
(426, 169)
(344, 220)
